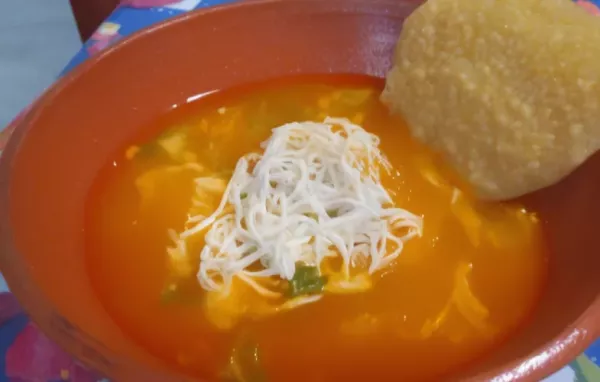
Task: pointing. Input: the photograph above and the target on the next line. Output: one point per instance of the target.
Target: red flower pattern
(588, 6)
(33, 357)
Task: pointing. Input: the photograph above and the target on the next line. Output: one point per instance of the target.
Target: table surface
(26, 355)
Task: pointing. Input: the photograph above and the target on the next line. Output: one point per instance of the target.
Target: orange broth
(407, 327)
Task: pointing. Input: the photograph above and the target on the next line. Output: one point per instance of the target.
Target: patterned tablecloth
(26, 355)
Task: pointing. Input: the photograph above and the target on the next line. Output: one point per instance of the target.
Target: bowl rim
(546, 359)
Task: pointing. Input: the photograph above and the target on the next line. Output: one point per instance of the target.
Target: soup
(452, 280)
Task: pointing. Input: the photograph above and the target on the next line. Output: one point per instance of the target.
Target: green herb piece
(306, 280)
(333, 213)
(273, 183)
(243, 195)
(312, 215)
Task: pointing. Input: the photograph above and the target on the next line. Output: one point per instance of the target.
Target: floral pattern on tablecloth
(26, 354)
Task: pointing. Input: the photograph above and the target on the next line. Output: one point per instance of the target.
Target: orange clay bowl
(58, 147)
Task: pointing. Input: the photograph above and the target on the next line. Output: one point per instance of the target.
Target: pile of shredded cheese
(314, 193)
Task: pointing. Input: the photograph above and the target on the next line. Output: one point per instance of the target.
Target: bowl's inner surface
(52, 161)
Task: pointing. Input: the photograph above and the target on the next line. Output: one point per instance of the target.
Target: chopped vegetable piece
(306, 280)
(152, 184)
(172, 143)
(333, 213)
(312, 215)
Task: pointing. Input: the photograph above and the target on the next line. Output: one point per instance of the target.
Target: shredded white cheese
(313, 194)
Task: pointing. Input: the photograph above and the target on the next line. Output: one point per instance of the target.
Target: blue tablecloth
(26, 355)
